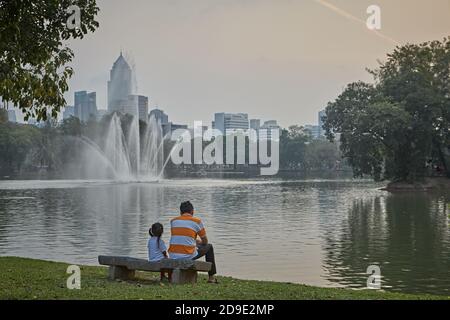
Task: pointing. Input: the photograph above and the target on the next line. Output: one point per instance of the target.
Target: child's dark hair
(156, 230)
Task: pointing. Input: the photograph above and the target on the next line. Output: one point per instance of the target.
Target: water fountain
(153, 152)
(116, 150)
(125, 155)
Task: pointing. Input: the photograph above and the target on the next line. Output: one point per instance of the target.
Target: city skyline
(280, 60)
(125, 101)
(122, 98)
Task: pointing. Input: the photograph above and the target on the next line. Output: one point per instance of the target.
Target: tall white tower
(119, 85)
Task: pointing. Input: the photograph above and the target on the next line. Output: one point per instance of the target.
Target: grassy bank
(22, 278)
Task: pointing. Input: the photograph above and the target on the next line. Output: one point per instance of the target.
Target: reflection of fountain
(127, 154)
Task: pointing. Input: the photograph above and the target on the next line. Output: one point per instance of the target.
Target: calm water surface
(322, 233)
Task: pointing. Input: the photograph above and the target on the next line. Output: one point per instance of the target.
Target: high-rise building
(170, 127)
(266, 130)
(159, 116)
(167, 127)
(85, 105)
(255, 124)
(142, 102)
(313, 130)
(229, 123)
(12, 115)
(130, 105)
(119, 85)
(134, 105)
(69, 111)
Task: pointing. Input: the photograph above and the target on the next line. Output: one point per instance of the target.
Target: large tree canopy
(34, 52)
(399, 127)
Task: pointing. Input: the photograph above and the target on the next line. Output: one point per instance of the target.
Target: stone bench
(183, 270)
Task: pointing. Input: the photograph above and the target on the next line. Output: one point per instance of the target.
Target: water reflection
(406, 235)
(316, 232)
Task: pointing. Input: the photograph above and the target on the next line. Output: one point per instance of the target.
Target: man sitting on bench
(184, 242)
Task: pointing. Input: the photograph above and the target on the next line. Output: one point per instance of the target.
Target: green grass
(22, 278)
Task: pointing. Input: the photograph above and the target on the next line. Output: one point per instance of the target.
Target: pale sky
(272, 59)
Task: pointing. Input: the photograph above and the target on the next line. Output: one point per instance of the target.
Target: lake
(318, 232)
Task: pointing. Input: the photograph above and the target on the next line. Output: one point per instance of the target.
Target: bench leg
(122, 273)
(184, 276)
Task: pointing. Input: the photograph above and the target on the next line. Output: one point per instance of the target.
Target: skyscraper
(69, 111)
(265, 131)
(143, 108)
(229, 123)
(255, 124)
(85, 105)
(119, 85)
(129, 106)
(313, 130)
(159, 116)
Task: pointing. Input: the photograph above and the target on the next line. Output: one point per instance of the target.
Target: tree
(322, 154)
(16, 142)
(33, 54)
(418, 77)
(48, 147)
(391, 129)
(72, 127)
(292, 147)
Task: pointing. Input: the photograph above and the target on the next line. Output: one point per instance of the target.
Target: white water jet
(134, 148)
(126, 155)
(177, 143)
(153, 153)
(116, 150)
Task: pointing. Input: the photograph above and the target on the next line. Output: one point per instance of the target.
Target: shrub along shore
(22, 278)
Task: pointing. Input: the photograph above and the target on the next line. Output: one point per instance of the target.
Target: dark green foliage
(399, 127)
(292, 147)
(16, 142)
(322, 155)
(298, 151)
(34, 55)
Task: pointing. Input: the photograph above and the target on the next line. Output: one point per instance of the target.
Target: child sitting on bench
(157, 249)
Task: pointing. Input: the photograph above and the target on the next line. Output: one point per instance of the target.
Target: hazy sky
(273, 59)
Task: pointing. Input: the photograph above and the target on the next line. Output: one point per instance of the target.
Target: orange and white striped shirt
(184, 231)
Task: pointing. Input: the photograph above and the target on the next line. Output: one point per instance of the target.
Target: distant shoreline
(427, 185)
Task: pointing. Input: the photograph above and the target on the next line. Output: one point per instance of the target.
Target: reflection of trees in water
(406, 234)
(7, 206)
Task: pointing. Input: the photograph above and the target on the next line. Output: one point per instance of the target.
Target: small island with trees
(398, 128)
